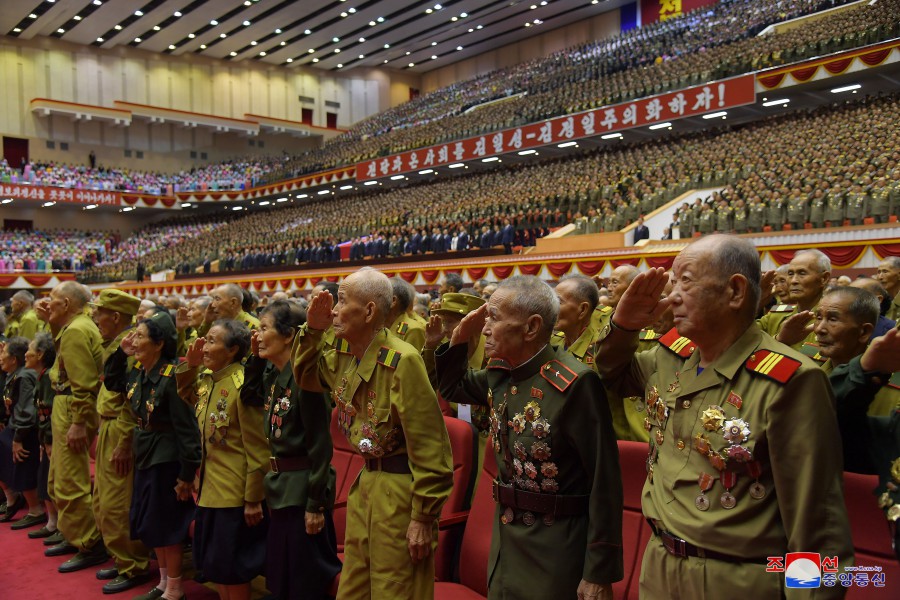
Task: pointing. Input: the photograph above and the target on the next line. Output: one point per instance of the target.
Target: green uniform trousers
(112, 501)
(667, 577)
(69, 481)
(377, 564)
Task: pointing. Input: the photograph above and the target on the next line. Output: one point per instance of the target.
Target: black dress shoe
(124, 582)
(153, 594)
(29, 521)
(84, 559)
(11, 510)
(61, 549)
(110, 573)
(55, 538)
(43, 532)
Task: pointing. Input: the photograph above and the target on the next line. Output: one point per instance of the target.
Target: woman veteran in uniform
(231, 521)
(166, 446)
(40, 357)
(302, 547)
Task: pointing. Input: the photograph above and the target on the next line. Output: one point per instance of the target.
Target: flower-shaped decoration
(712, 418)
(549, 469)
(736, 431)
(540, 428)
(518, 423)
(519, 449)
(530, 470)
(532, 411)
(739, 453)
(540, 450)
(550, 486)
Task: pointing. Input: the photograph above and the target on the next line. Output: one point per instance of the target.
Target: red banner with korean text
(38, 193)
(661, 10)
(715, 96)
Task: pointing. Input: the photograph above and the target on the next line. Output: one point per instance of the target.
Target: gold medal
(705, 481)
(513, 390)
(895, 470)
(659, 437)
(647, 425)
(893, 513)
(757, 490)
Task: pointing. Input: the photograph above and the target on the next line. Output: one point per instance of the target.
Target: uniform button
(686, 404)
(680, 444)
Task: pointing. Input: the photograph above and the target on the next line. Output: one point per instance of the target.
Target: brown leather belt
(289, 463)
(105, 418)
(558, 505)
(683, 549)
(397, 464)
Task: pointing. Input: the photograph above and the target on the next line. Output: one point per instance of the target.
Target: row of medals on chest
(371, 444)
(886, 501)
(539, 451)
(218, 418)
(735, 431)
(277, 411)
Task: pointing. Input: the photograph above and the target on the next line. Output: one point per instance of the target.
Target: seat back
(476, 543)
(635, 531)
(461, 444)
(871, 536)
(348, 464)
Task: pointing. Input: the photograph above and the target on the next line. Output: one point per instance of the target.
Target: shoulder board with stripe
(389, 358)
(895, 380)
(678, 344)
(402, 328)
(498, 363)
(772, 365)
(603, 309)
(342, 346)
(137, 364)
(167, 370)
(649, 334)
(812, 351)
(238, 378)
(559, 375)
(782, 308)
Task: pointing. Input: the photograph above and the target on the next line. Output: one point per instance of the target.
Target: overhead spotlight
(90, 207)
(278, 31)
(315, 60)
(335, 39)
(660, 126)
(60, 30)
(118, 28)
(611, 136)
(156, 28)
(176, 14)
(456, 166)
(290, 60)
(128, 209)
(459, 48)
(233, 53)
(345, 15)
(185, 205)
(567, 144)
(337, 50)
(138, 13)
(371, 183)
(428, 11)
(223, 35)
(346, 187)
(323, 192)
(281, 200)
(372, 23)
(311, 51)
(97, 2)
(527, 152)
(191, 36)
(361, 40)
(171, 46)
(463, 15)
(340, 66)
(203, 46)
(426, 171)
(283, 43)
(265, 203)
(847, 88)
(454, 19)
(307, 32)
(408, 52)
(253, 43)
(490, 159)
(480, 27)
(48, 204)
(246, 23)
(362, 56)
(434, 43)
(263, 53)
(394, 178)
(380, 19)
(6, 201)
(16, 30)
(237, 208)
(716, 115)
(386, 46)
(433, 57)
(302, 196)
(137, 40)
(213, 22)
(412, 64)
(351, 10)
(77, 17)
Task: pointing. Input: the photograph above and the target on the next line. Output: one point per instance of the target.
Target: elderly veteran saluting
(744, 461)
(558, 526)
(390, 415)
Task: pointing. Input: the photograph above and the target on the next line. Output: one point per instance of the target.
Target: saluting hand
(795, 328)
(883, 353)
(434, 332)
(418, 539)
(181, 319)
(42, 309)
(254, 343)
(470, 326)
(318, 313)
(194, 356)
(642, 303)
(766, 282)
(127, 344)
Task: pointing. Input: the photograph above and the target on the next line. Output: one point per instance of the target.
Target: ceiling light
(456, 165)
(371, 183)
(60, 30)
(138, 13)
(247, 3)
(337, 50)
(176, 14)
(246, 23)
(214, 22)
(394, 178)
(426, 171)
(385, 61)
(307, 32)
(223, 35)
(303, 196)
(480, 27)
(203, 46)
(283, 199)
(343, 14)
(372, 23)
(660, 125)
(6, 201)
(191, 36)
(278, 31)
(346, 187)
(361, 40)
(171, 46)
(459, 48)
(118, 28)
(438, 7)
(434, 43)
(77, 17)
(351, 10)
(362, 56)
(16, 30)
(490, 159)
(156, 28)
(846, 88)
(340, 66)
(716, 115)
(533, 6)
(315, 60)
(137, 40)
(185, 205)
(232, 53)
(48, 204)
(610, 136)
(253, 43)
(323, 192)
(527, 152)
(265, 203)
(428, 11)
(463, 15)
(386, 46)
(97, 2)
(335, 39)
(408, 52)
(567, 144)
(90, 207)
(290, 60)
(433, 57)
(311, 50)
(471, 30)
(263, 53)
(412, 64)
(100, 40)
(237, 208)
(454, 19)
(283, 44)
(380, 19)
(128, 209)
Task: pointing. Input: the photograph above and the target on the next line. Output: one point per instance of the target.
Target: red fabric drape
(408, 276)
(805, 73)
(430, 275)
(771, 81)
(618, 262)
(286, 284)
(844, 257)
(477, 273)
(559, 269)
(838, 66)
(502, 272)
(530, 268)
(8, 280)
(876, 57)
(664, 262)
(782, 257)
(333, 278)
(591, 267)
(300, 282)
(38, 280)
(885, 250)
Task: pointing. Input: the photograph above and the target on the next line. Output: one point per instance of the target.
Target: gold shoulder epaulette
(812, 350)
(389, 358)
(782, 308)
(402, 328)
(167, 370)
(772, 365)
(678, 344)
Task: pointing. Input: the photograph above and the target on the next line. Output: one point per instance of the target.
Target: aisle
(26, 574)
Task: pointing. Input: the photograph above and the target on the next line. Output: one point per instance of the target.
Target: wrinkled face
(350, 313)
(695, 310)
(780, 288)
(145, 349)
(7, 361)
(570, 308)
(106, 322)
(805, 282)
(59, 309)
(224, 306)
(888, 276)
(195, 315)
(33, 358)
(216, 355)
(271, 343)
(18, 306)
(504, 329)
(839, 336)
(449, 322)
(618, 283)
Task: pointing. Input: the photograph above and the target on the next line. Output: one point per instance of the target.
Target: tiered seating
(38, 251)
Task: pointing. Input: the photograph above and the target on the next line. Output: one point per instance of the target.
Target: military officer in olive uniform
(881, 201)
(888, 275)
(23, 321)
(114, 311)
(557, 530)
(390, 415)
(226, 304)
(76, 379)
(742, 462)
(817, 209)
(835, 209)
(807, 274)
(796, 211)
(407, 329)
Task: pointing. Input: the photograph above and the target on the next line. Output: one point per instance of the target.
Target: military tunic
(772, 321)
(552, 433)
(112, 492)
(249, 320)
(43, 404)
(893, 312)
(386, 408)
(410, 331)
(742, 462)
(25, 325)
(75, 378)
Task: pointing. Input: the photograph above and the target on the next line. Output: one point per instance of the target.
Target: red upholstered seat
(476, 542)
(347, 463)
(871, 537)
(635, 531)
(461, 444)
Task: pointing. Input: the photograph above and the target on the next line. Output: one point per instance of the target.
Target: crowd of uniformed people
(216, 413)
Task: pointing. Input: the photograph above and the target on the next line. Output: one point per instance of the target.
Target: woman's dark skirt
(226, 550)
(300, 566)
(20, 476)
(157, 517)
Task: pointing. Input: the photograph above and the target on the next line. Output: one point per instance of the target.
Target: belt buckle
(674, 546)
(273, 464)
